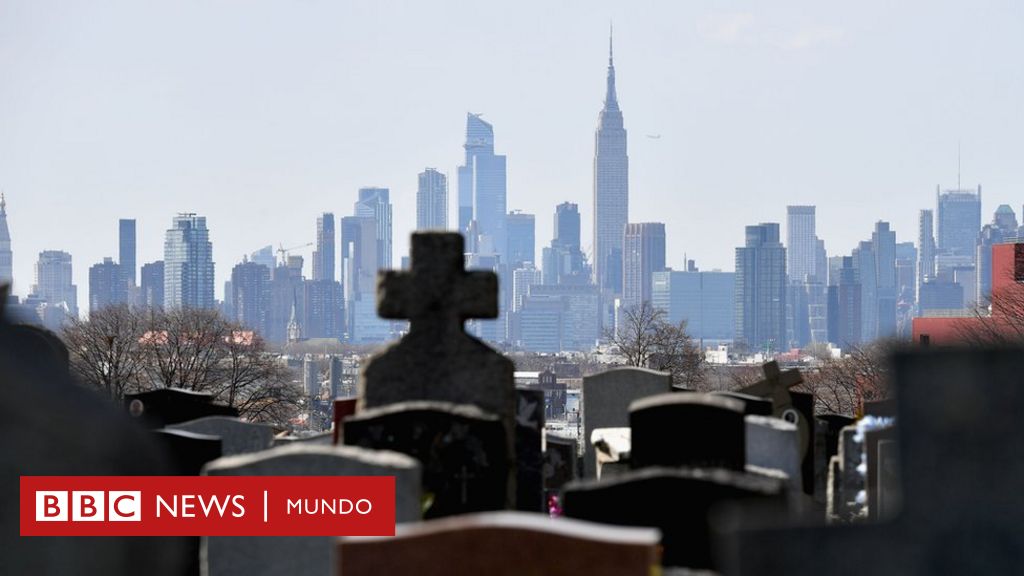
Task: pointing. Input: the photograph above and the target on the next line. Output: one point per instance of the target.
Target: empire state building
(611, 189)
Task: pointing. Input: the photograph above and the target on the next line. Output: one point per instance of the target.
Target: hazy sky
(260, 115)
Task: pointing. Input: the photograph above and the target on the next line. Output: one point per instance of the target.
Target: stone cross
(776, 385)
(960, 437)
(437, 360)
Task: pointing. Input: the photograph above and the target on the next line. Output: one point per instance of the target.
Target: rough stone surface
(529, 450)
(560, 461)
(606, 400)
(254, 556)
(461, 449)
(688, 429)
(773, 443)
(236, 436)
(960, 436)
(503, 544)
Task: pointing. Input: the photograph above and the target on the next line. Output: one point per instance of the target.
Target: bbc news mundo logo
(207, 505)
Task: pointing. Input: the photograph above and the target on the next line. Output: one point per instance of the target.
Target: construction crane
(282, 252)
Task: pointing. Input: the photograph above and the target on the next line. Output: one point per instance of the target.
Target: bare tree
(648, 340)
(1000, 326)
(104, 350)
(183, 347)
(841, 386)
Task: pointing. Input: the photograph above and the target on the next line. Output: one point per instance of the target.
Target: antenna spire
(611, 35)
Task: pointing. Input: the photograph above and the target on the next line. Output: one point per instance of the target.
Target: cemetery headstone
(851, 482)
(236, 436)
(606, 400)
(687, 429)
(612, 447)
(675, 500)
(188, 451)
(51, 426)
(870, 462)
(888, 480)
(322, 438)
(773, 443)
(255, 556)
(959, 431)
(166, 406)
(461, 449)
(826, 445)
(437, 360)
(529, 455)
(503, 544)
(343, 408)
(751, 404)
(560, 458)
(776, 385)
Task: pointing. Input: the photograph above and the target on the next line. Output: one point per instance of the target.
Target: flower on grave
(554, 508)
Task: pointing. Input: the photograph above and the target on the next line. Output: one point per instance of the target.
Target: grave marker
(688, 429)
(236, 436)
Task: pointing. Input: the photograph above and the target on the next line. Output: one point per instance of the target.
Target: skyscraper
(883, 242)
(482, 184)
(108, 285)
(522, 241)
(323, 256)
(360, 265)
(188, 263)
(611, 188)
(54, 281)
(376, 203)
(250, 295)
(151, 285)
(958, 221)
(705, 300)
(126, 249)
(760, 283)
(1003, 228)
(801, 243)
(926, 250)
(432, 201)
(643, 254)
(6, 255)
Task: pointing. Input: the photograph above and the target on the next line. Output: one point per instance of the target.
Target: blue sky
(262, 114)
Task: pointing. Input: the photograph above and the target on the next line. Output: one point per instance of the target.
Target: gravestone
(461, 449)
(51, 426)
(529, 454)
(751, 404)
(675, 500)
(885, 408)
(256, 556)
(826, 445)
(871, 465)
(606, 400)
(343, 408)
(773, 443)
(612, 447)
(833, 494)
(851, 481)
(188, 451)
(437, 360)
(503, 544)
(236, 436)
(560, 461)
(687, 429)
(960, 437)
(166, 406)
(888, 480)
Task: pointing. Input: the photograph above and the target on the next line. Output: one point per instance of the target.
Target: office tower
(906, 287)
(265, 256)
(705, 300)
(250, 295)
(560, 318)
(54, 282)
(188, 264)
(541, 324)
(521, 235)
(611, 189)
(926, 250)
(151, 285)
(867, 275)
(563, 260)
(801, 243)
(108, 285)
(323, 256)
(883, 245)
(482, 184)
(522, 279)
(939, 298)
(375, 203)
(6, 255)
(432, 201)
(126, 249)
(958, 221)
(1003, 228)
(761, 290)
(324, 310)
(359, 247)
(643, 254)
(844, 303)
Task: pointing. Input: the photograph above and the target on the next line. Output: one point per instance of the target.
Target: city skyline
(278, 210)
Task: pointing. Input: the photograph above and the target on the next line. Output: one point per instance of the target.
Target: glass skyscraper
(760, 284)
(611, 189)
(376, 203)
(188, 263)
(643, 254)
(323, 256)
(432, 201)
(482, 185)
(126, 249)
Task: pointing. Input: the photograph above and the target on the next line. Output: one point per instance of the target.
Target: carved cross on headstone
(776, 385)
(438, 294)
